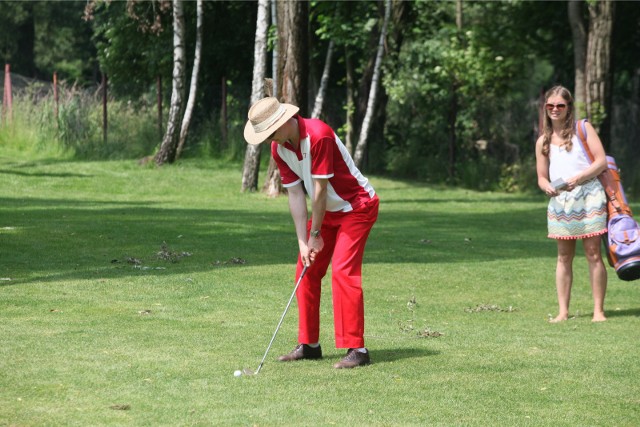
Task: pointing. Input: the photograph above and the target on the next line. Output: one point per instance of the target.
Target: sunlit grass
(130, 294)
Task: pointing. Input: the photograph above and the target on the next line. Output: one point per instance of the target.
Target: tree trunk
(453, 136)
(454, 104)
(159, 104)
(293, 22)
(193, 89)
(293, 64)
(598, 66)
(324, 82)
(351, 100)
(252, 154)
(579, 33)
(27, 42)
(167, 152)
(274, 53)
(375, 81)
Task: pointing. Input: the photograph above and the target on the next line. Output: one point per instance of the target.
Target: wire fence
(95, 124)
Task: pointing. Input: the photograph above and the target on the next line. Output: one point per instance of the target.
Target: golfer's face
(277, 136)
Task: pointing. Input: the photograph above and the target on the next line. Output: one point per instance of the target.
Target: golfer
(312, 160)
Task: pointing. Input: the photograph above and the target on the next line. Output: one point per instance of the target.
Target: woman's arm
(542, 169)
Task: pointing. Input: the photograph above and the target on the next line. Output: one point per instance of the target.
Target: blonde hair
(567, 126)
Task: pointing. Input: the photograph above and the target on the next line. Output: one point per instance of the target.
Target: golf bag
(622, 241)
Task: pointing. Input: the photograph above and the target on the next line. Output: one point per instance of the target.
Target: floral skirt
(579, 213)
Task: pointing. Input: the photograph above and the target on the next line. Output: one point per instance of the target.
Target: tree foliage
(39, 38)
(437, 62)
(133, 67)
(475, 88)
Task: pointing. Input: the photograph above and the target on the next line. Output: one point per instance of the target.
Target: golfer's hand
(315, 245)
(305, 255)
(309, 251)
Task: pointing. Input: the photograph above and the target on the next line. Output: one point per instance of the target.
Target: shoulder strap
(581, 131)
(605, 177)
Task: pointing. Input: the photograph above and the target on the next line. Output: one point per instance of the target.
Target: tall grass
(74, 125)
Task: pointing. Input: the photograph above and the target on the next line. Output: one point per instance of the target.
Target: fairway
(130, 295)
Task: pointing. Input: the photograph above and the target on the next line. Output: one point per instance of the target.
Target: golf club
(247, 371)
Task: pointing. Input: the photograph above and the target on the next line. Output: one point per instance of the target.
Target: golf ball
(237, 373)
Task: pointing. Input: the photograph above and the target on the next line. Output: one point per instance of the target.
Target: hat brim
(253, 137)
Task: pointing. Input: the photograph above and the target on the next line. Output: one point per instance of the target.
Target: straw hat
(265, 117)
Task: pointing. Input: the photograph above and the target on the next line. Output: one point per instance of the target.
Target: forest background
(435, 91)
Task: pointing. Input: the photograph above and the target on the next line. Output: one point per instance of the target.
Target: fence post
(159, 101)
(7, 99)
(55, 97)
(223, 115)
(104, 108)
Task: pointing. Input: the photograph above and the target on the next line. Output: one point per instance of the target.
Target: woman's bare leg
(598, 276)
(564, 277)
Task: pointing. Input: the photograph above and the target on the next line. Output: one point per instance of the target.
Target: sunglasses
(560, 107)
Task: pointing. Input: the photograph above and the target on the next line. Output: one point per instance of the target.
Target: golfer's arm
(318, 203)
(299, 213)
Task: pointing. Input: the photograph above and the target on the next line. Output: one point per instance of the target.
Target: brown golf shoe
(353, 359)
(302, 351)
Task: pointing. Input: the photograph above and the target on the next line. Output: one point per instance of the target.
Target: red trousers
(345, 236)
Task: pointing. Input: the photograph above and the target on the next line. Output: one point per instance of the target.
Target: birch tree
(373, 92)
(252, 154)
(324, 83)
(274, 53)
(168, 149)
(193, 88)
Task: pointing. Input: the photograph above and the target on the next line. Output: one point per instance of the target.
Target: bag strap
(581, 130)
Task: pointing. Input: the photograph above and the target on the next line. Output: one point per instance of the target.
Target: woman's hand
(573, 182)
(550, 191)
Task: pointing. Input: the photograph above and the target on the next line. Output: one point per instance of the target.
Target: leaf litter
(165, 254)
(407, 326)
(490, 307)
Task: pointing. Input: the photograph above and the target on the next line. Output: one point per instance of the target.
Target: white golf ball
(237, 373)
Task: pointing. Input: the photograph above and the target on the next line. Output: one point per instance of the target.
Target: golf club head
(248, 372)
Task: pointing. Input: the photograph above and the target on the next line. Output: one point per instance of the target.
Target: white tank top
(566, 164)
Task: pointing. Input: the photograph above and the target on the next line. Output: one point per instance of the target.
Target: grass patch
(130, 295)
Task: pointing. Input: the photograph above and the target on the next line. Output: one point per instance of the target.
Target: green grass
(458, 288)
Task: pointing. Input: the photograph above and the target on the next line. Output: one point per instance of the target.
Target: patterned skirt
(579, 213)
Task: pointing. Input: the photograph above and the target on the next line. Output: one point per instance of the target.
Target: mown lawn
(129, 295)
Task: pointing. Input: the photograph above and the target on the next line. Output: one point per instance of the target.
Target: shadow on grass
(632, 312)
(58, 239)
(45, 174)
(393, 355)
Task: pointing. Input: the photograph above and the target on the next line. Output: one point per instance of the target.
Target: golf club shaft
(304, 270)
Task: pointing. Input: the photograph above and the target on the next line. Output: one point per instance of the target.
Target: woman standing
(577, 208)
